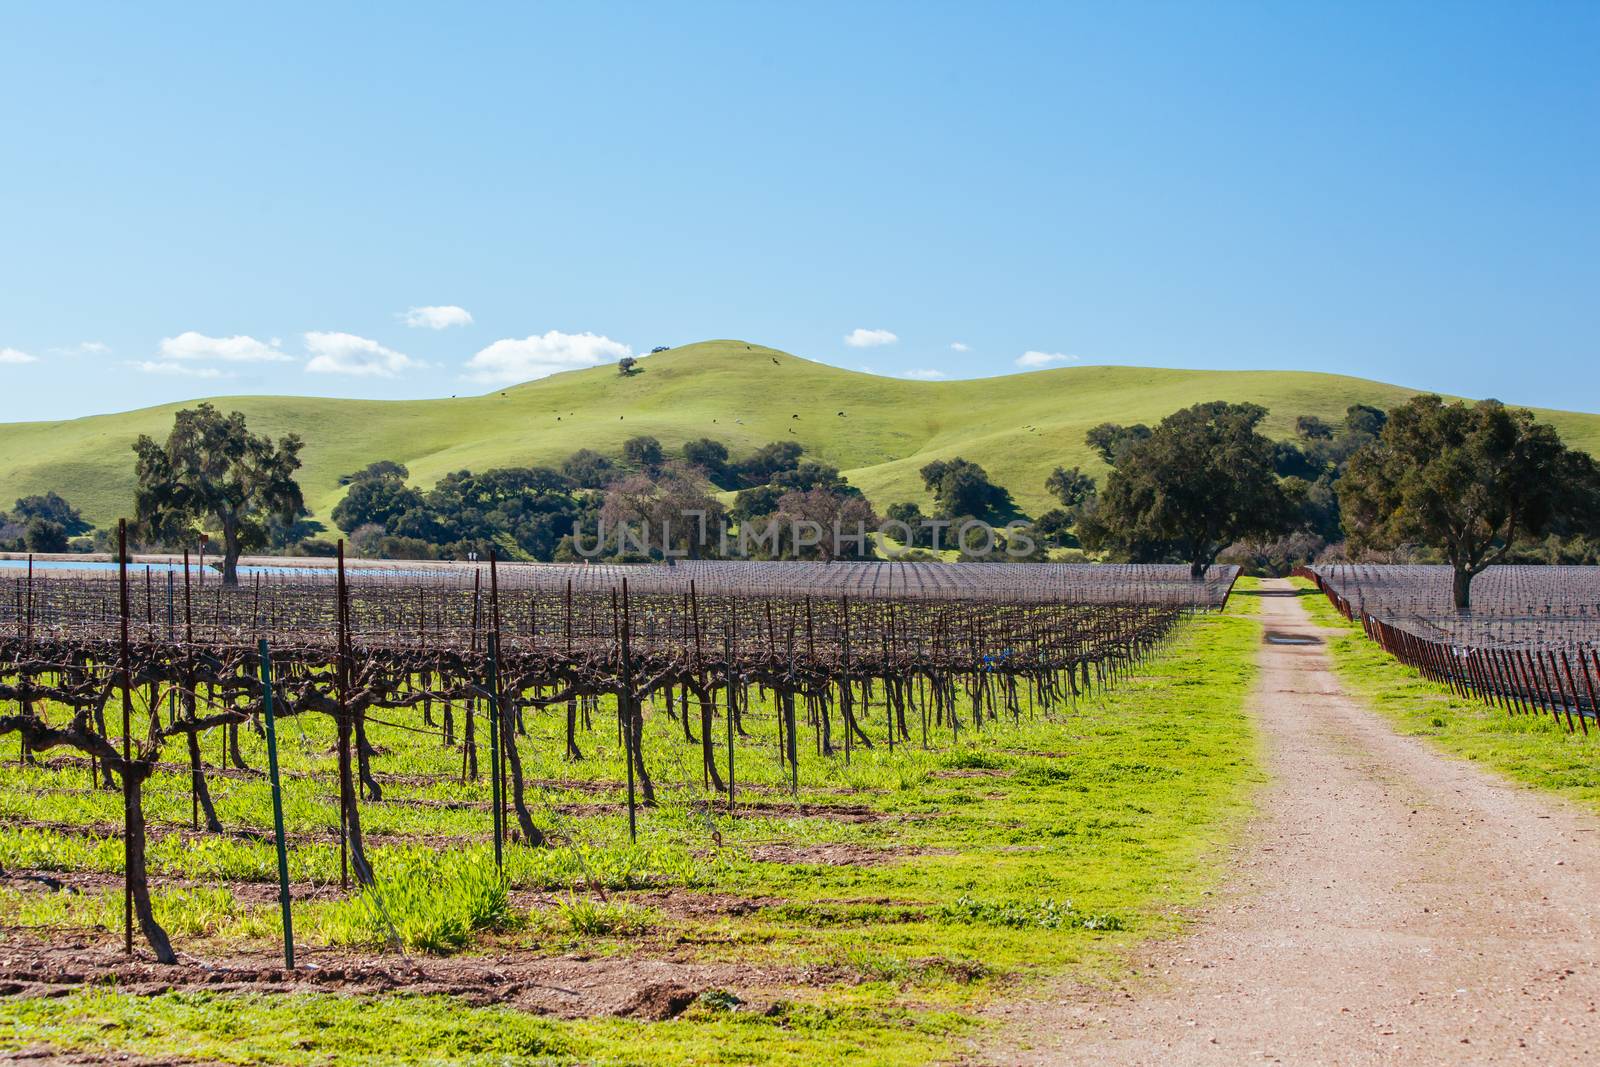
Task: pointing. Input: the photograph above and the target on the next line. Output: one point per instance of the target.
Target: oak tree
(212, 469)
(1466, 479)
(1203, 479)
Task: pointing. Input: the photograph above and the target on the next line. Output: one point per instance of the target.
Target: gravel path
(1388, 905)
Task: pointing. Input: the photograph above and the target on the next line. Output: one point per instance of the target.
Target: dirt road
(1389, 905)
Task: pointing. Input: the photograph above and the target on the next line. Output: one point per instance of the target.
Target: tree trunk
(364, 758)
(707, 752)
(469, 743)
(508, 739)
(234, 752)
(230, 551)
(352, 812)
(197, 779)
(138, 878)
(1461, 588)
(572, 730)
(1197, 569)
(647, 787)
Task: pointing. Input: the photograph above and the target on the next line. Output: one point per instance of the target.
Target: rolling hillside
(878, 430)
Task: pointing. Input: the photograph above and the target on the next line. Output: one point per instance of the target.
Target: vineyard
(1530, 645)
(386, 754)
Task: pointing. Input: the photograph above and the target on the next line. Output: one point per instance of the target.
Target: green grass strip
(1031, 851)
(1530, 749)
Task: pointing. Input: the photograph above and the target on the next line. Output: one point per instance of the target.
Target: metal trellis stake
(277, 804)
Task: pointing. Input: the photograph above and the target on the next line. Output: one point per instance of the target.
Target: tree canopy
(211, 468)
(1202, 480)
(962, 489)
(53, 508)
(1467, 480)
(377, 496)
(1111, 440)
(642, 452)
(1070, 486)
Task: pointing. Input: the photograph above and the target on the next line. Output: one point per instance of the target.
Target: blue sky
(213, 199)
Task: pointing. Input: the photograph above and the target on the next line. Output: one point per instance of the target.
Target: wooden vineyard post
(789, 715)
(625, 707)
(344, 734)
(1588, 682)
(845, 715)
(351, 851)
(501, 736)
(190, 687)
(172, 639)
(494, 747)
(127, 745)
(277, 803)
(1577, 698)
(732, 709)
(27, 643)
(888, 704)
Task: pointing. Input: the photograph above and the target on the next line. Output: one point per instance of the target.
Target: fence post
(277, 803)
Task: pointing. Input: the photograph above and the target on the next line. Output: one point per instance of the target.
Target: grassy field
(1531, 749)
(869, 924)
(879, 430)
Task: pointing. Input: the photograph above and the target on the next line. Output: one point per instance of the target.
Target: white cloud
(188, 370)
(437, 317)
(960, 347)
(345, 353)
(84, 348)
(926, 374)
(859, 338)
(238, 349)
(513, 360)
(16, 355)
(1034, 360)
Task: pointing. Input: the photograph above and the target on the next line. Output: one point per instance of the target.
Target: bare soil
(1389, 905)
(569, 986)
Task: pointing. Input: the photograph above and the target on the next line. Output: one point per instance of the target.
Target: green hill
(878, 430)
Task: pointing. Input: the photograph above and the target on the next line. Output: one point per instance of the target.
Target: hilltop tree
(211, 468)
(1202, 480)
(1468, 480)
